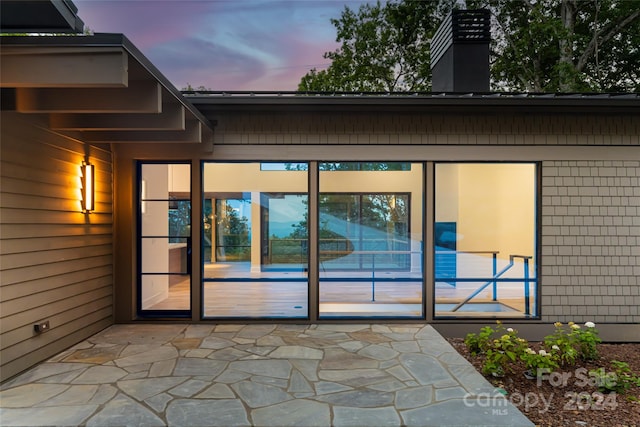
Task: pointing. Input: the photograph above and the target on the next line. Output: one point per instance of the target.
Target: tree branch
(597, 41)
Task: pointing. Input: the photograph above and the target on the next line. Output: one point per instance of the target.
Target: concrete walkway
(257, 375)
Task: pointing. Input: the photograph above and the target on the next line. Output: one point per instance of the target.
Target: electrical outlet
(41, 327)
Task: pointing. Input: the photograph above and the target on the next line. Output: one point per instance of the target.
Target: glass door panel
(255, 240)
(370, 240)
(164, 213)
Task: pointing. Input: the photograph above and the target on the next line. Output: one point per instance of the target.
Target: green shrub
(503, 351)
(541, 359)
(500, 346)
(586, 340)
(563, 343)
(618, 381)
(479, 343)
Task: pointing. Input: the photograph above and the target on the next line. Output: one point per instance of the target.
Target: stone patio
(257, 375)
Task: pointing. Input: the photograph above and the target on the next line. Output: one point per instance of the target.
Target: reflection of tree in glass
(365, 166)
(383, 211)
(364, 222)
(384, 222)
(299, 237)
(292, 248)
(377, 211)
(232, 233)
(179, 220)
(301, 229)
(207, 221)
(296, 166)
(349, 222)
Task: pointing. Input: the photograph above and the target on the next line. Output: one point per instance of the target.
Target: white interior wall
(496, 208)
(179, 178)
(447, 192)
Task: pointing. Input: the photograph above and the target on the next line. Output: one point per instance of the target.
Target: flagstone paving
(257, 375)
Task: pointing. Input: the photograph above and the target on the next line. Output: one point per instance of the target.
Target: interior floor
(350, 297)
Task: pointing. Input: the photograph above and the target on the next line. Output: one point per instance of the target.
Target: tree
(538, 46)
(232, 232)
(565, 45)
(384, 48)
(200, 88)
(179, 221)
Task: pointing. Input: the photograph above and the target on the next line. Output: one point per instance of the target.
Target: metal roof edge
(534, 102)
(315, 97)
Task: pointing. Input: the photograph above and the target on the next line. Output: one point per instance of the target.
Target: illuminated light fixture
(88, 187)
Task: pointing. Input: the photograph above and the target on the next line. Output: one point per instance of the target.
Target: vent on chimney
(460, 52)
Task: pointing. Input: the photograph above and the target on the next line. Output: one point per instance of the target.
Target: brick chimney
(460, 52)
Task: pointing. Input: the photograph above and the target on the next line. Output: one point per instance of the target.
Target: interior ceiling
(101, 94)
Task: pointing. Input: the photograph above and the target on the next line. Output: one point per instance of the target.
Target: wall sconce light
(88, 187)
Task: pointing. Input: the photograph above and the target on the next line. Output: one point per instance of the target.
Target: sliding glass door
(257, 240)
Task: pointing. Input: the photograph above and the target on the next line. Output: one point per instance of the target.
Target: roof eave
(114, 89)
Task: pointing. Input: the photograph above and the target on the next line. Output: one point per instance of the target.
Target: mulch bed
(569, 398)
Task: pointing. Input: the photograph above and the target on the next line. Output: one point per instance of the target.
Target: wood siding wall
(426, 129)
(56, 263)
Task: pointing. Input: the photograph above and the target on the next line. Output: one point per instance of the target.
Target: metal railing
(373, 265)
(494, 266)
(494, 281)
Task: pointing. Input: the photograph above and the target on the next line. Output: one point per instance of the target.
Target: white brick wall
(591, 241)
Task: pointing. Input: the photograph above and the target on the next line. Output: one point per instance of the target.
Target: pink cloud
(224, 45)
(145, 23)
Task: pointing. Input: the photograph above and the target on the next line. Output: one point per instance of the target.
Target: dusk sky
(224, 44)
